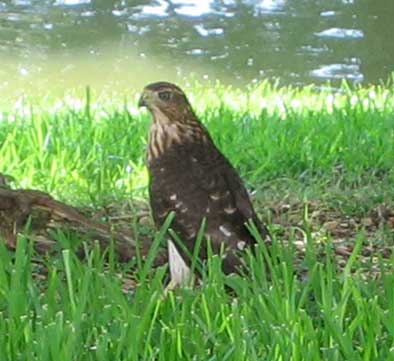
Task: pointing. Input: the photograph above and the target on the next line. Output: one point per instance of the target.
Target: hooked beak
(144, 99)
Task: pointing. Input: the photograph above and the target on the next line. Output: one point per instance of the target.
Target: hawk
(191, 177)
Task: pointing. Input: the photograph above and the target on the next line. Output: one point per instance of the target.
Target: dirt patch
(313, 221)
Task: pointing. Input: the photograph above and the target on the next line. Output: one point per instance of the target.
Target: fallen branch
(43, 213)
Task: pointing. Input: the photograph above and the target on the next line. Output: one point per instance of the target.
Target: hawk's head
(167, 103)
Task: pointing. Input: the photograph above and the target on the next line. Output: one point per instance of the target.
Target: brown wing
(197, 181)
(242, 200)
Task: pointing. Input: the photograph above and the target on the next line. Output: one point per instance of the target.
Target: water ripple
(159, 10)
(192, 8)
(225, 39)
(340, 33)
(71, 2)
(203, 31)
(338, 71)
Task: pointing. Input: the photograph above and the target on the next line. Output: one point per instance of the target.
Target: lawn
(320, 167)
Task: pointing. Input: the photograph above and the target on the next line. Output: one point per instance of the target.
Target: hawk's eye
(166, 95)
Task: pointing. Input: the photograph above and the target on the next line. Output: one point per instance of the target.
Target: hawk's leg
(180, 272)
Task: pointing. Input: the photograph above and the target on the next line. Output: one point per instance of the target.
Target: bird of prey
(191, 177)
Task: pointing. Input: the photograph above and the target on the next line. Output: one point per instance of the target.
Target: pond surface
(61, 44)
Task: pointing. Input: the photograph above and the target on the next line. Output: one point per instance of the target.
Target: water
(52, 46)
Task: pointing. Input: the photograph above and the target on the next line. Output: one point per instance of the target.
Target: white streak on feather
(165, 132)
(214, 196)
(192, 235)
(241, 245)
(180, 272)
(163, 215)
(230, 210)
(225, 231)
(173, 197)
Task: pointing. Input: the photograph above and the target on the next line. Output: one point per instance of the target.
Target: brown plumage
(190, 176)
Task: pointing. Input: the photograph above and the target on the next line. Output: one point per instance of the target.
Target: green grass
(86, 151)
(290, 145)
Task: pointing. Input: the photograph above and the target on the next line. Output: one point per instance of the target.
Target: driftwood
(23, 209)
